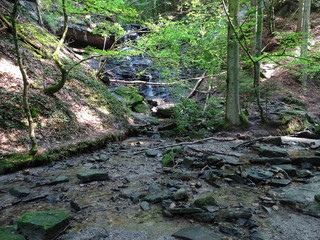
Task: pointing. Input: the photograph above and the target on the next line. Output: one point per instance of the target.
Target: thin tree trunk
(257, 54)
(64, 72)
(26, 107)
(305, 39)
(300, 15)
(233, 68)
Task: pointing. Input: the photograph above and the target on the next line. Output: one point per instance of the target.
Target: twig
(196, 86)
(190, 143)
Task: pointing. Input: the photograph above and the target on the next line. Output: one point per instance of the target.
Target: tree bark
(257, 54)
(64, 72)
(305, 24)
(233, 68)
(34, 147)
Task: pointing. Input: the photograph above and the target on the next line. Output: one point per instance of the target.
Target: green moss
(317, 198)
(168, 158)
(141, 108)
(9, 233)
(46, 219)
(206, 201)
(130, 95)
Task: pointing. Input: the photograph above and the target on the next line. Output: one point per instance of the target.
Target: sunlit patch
(7, 66)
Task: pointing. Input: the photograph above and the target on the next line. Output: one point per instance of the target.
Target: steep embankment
(83, 110)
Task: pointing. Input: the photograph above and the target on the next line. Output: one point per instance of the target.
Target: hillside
(83, 109)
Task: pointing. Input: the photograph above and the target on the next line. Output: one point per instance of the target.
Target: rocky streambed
(226, 187)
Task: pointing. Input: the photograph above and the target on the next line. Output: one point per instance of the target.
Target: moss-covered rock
(141, 108)
(130, 95)
(9, 233)
(206, 201)
(43, 225)
(168, 158)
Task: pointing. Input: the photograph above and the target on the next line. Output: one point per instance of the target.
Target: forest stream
(142, 199)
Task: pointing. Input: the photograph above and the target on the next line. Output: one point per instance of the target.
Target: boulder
(43, 225)
(205, 202)
(165, 110)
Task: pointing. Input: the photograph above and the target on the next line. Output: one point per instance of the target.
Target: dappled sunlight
(86, 116)
(10, 75)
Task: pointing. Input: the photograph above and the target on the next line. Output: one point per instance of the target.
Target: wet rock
(35, 196)
(232, 161)
(288, 168)
(205, 202)
(230, 231)
(145, 206)
(257, 235)
(204, 217)
(43, 225)
(165, 110)
(188, 162)
(153, 153)
(58, 180)
(279, 182)
(259, 175)
(317, 198)
(299, 198)
(75, 206)
(272, 151)
(9, 233)
(180, 194)
(314, 160)
(317, 153)
(303, 173)
(167, 127)
(271, 161)
(92, 175)
(236, 178)
(197, 233)
(185, 210)
(213, 160)
(156, 197)
(230, 215)
(19, 192)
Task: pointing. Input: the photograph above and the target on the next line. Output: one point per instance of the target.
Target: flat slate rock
(158, 196)
(279, 182)
(259, 175)
(19, 192)
(272, 151)
(288, 168)
(272, 161)
(58, 180)
(197, 233)
(92, 175)
(43, 225)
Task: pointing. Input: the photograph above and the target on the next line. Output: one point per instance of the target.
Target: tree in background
(34, 147)
(303, 27)
(233, 68)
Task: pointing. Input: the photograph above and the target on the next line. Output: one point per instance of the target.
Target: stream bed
(144, 200)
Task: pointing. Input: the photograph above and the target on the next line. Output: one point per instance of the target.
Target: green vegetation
(10, 233)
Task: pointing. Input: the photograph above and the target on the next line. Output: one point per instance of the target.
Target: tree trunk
(233, 68)
(305, 23)
(257, 54)
(26, 107)
(64, 72)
